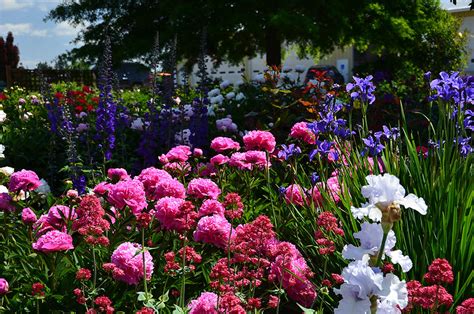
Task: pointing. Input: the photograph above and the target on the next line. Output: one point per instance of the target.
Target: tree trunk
(273, 46)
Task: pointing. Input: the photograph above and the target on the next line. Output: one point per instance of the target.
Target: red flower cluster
(145, 310)
(435, 296)
(79, 296)
(37, 289)
(467, 307)
(430, 297)
(90, 221)
(104, 304)
(83, 274)
(328, 227)
(188, 253)
(439, 272)
(233, 205)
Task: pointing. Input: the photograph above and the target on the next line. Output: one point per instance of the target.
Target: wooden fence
(33, 79)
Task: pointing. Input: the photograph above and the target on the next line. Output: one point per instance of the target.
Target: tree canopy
(243, 28)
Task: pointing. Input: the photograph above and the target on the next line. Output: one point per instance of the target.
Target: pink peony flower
(221, 144)
(206, 303)
(72, 194)
(58, 214)
(53, 241)
(239, 160)
(169, 187)
(117, 174)
(214, 230)
(128, 260)
(197, 152)
(24, 180)
(42, 225)
(28, 216)
(290, 269)
(259, 140)
(178, 153)
(128, 193)
(175, 214)
(4, 287)
(301, 131)
(150, 177)
(203, 188)
(332, 188)
(6, 203)
(257, 158)
(102, 188)
(219, 159)
(295, 194)
(210, 207)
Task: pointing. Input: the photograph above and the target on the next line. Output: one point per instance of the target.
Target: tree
(240, 28)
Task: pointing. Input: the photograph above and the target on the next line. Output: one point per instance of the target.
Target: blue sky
(43, 41)
(36, 39)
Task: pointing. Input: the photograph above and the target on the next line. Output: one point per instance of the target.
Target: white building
(252, 69)
(463, 11)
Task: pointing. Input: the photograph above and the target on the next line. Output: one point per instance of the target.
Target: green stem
(267, 170)
(382, 248)
(95, 267)
(183, 283)
(144, 265)
(37, 306)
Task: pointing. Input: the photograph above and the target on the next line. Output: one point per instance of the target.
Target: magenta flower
(150, 177)
(53, 241)
(301, 131)
(117, 174)
(210, 207)
(259, 140)
(215, 230)
(128, 261)
(6, 203)
(206, 303)
(169, 187)
(24, 180)
(203, 188)
(4, 287)
(221, 144)
(128, 193)
(28, 216)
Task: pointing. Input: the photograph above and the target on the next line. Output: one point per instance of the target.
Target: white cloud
(66, 29)
(14, 4)
(22, 29)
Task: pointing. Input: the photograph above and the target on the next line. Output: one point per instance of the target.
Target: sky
(37, 40)
(41, 41)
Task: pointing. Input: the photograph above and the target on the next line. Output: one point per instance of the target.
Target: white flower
(210, 111)
(7, 171)
(393, 295)
(239, 97)
(350, 302)
(183, 137)
(361, 282)
(382, 191)
(137, 124)
(213, 92)
(82, 115)
(370, 238)
(44, 187)
(286, 69)
(230, 95)
(363, 277)
(239, 82)
(224, 84)
(2, 149)
(3, 116)
(3, 189)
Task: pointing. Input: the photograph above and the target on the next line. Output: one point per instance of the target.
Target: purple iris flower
(362, 89)
(372, 146)
(288, 151)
